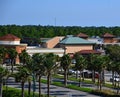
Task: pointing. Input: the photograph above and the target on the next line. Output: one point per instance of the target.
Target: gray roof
(75, 40)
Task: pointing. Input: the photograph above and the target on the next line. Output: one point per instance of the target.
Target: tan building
(11, 41)
(75, 44)
(52, 43)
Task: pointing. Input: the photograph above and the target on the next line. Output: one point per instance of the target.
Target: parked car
(89, 74)
(115, 78)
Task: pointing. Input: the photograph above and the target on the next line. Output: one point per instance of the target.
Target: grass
(89, 90)
(104, 93)
(87, 81)
(13, 92)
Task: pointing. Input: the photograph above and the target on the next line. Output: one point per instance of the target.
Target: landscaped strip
(13, 92)
(104, 93)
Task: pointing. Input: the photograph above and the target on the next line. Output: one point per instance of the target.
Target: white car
(116, 78)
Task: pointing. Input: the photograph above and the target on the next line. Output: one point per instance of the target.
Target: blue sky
(60, 12)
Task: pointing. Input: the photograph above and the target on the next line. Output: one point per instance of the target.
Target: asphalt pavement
(54, 90)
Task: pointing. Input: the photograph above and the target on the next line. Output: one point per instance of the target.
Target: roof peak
(108, 35)
(9, 37)
(82, 35)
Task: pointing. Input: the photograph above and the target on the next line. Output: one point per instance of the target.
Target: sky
(60, 12)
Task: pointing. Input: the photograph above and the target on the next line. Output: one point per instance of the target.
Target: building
(71, 44)
(51, 42)
(108, 38)
(82, 35)
(12, 41)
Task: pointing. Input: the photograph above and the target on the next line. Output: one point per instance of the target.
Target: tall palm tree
(65, 63)
(118, 71)
(49, 63)
(40, 68)
(21, 76)
(101, 61)
(24, 56)
(92, 65)
(114, 54)
(25, 60)
(12, 53)
(80, 65)
(3, 73)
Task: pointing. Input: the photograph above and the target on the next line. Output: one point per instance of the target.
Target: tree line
(38, 31)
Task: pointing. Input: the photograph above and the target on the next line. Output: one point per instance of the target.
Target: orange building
(11, 41)
(108, 38)
(82, 35)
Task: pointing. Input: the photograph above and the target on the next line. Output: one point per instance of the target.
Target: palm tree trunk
(113, 82)
(83, 76)
(103, 76)
(48, 84)
(65, 77)
(12, 65)
(100, 81)
(80, 79)
(22, 84)
(39, 85)
(118, 85)
(93, 76)
(1, 85)
(29, 88)
(76, 74)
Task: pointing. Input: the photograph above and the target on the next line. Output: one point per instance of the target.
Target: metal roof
(75, 40)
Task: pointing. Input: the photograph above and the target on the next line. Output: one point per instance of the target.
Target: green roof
(75, 40)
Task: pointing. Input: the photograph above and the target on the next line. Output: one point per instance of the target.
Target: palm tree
(21, 76)
(2, 54)
(12, 53)
(65, 63)
(101, 61)
(40, 68)
(114, 54)
(25, 59)
(92, 65)
(118, 71)
(80, 65)
(3, 73)
(49, 63)
(24, 56)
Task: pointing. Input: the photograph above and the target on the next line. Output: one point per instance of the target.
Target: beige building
(12, 41)
(72, 44)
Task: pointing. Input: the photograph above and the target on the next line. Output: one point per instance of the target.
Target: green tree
(3, 73)
(22, 76)
(92, 65)
(49, 63)
(40, 68)
(101, 61)
(2, 54)
(65, 63)
(24, 59)
(113, 51)
(80, 65)
(12, 53)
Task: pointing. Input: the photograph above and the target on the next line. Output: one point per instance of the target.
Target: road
(54, 90)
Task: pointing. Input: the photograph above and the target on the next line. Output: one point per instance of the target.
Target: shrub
(105, 93)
